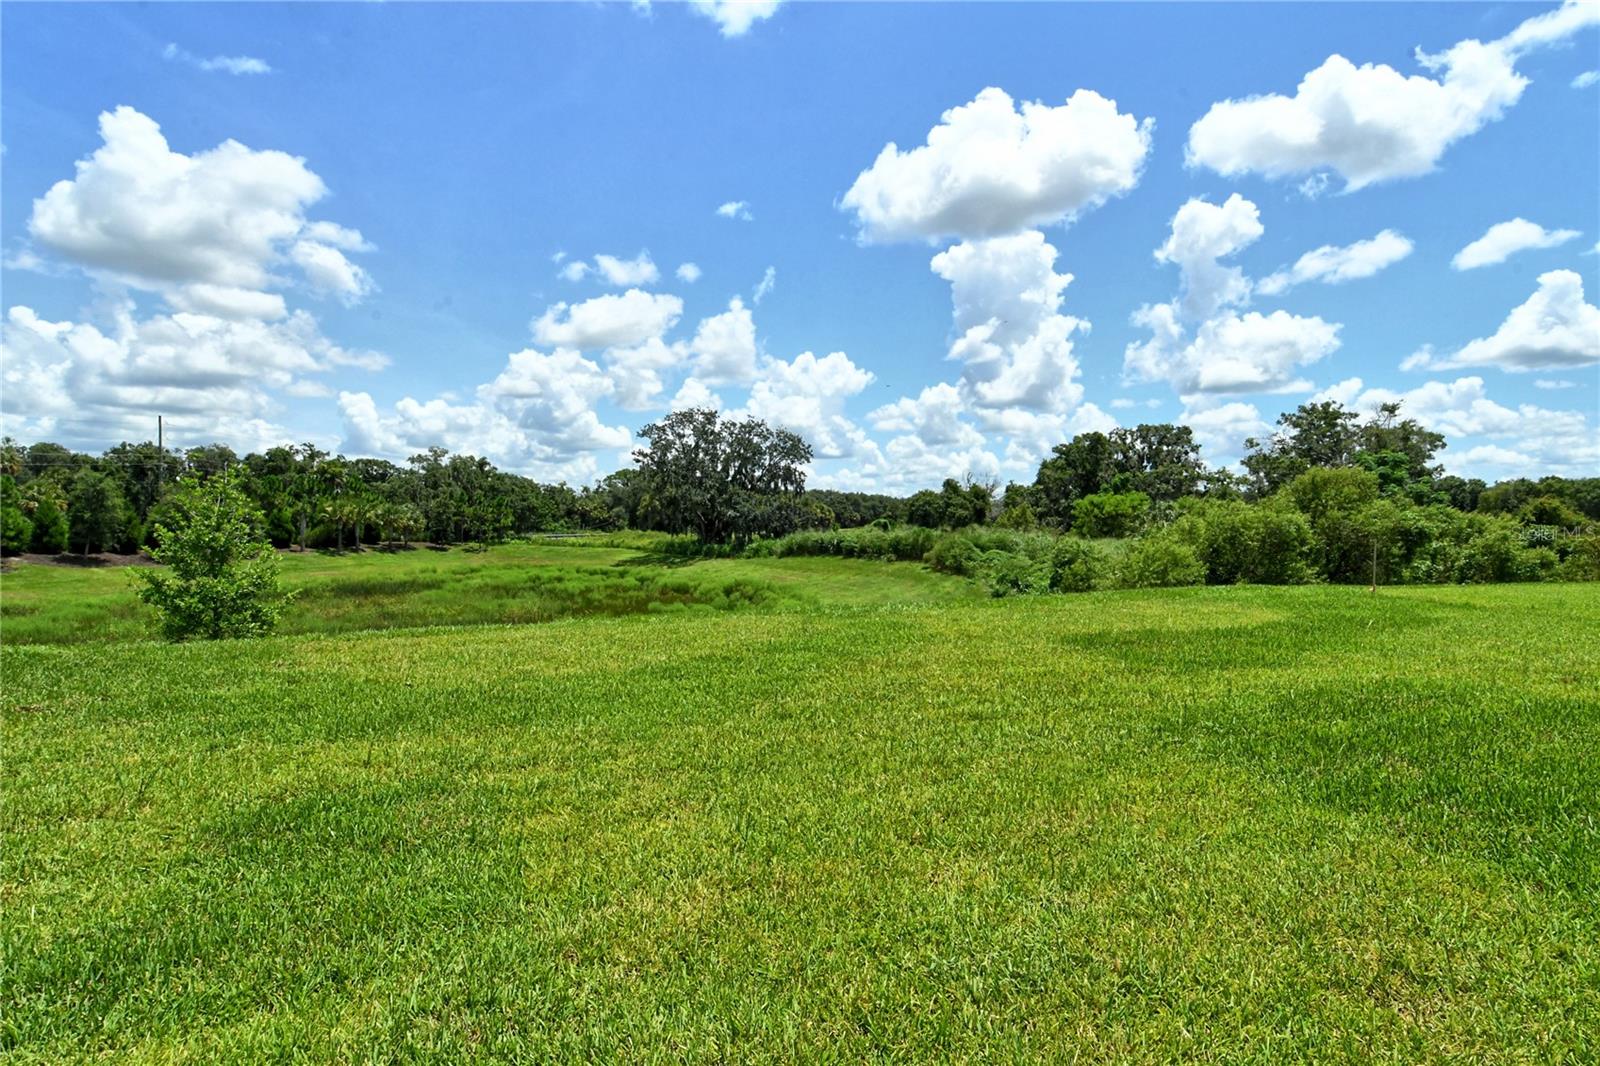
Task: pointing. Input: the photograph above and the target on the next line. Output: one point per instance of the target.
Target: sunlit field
(529, 582)
(905, 822)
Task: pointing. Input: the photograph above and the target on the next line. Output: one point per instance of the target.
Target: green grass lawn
(514, 583)
(1236, 824)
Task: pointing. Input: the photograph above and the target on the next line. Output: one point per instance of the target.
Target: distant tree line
(56, 500)
(734, 482)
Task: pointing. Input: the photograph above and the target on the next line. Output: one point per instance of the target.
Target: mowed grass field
(508, 584)
(1233, 824)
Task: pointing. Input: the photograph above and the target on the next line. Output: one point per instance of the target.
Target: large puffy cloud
(1371, 123)
(1555, 328)
(1201, 343)
(806, 395)
(1504, 239)
(1201, 234)
(1528, 439)
(209, 234)
(1019, 374)
(1246, 353)
(217, 221)
(1336, 264)
(933, 416)
(632, 317)
(991, 168)
(1014, 344)
(208, 376)
(724, 346)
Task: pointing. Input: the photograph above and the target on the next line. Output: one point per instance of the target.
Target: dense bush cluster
(1327, 524)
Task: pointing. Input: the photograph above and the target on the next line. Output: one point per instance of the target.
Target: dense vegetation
(1329, 497)
(523, 582)
(1233, 824)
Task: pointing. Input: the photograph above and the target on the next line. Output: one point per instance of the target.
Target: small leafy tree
(95, 511)
(49, 526)
(221, 576)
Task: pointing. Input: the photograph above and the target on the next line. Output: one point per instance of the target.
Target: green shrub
(1077, 565)
(221, 575)
(1011, 573)
(49, 527)
(1264, 544)
(16, 532)
(1496, 553)
(1110, 514)
(1160, 560)
(897, 543)
(955, 554)
(1018, 516)
(1583, 558)
(1550, 511)
(1332, 500)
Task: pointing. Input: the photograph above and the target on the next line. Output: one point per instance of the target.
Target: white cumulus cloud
(1335, 264)
(1553, 329)
(738, 210)
(639, 270)
(735, 17)
(1504, 239)
(1013, 342)
(1371, 123)
(142, 215)
(608, 321)
(991, 167)
(1200, 343)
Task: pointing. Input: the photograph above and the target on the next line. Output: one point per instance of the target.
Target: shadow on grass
(660, 560)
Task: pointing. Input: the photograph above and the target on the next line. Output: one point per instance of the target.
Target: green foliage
(1325, 435)
(1018, 516)
(16, 530)
(50, 529)
(221, 575)
(1496, 553)
(1006, 573)
(1160, 560)
(1582, 562)
(1077, 565)
(955, 553)
(1332, 500)
(1160, 460)
(897, 543)
(721, 479)
(1110, 514)
(1239, 542)
(954, 506)
(1550, 511)
(96, 514)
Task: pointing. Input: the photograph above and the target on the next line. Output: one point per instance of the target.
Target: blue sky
(398, 247)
